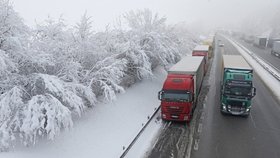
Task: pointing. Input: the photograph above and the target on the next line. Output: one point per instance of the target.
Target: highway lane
(263, 53)
(228, 136)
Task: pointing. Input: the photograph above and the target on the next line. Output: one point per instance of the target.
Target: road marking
(196, 143)
(199, 129)
(253, 121)
(202, 115)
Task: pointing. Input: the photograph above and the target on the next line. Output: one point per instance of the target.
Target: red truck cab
(177, 97)
(181, 89)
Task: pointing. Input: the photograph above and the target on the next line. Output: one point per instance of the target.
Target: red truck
(181, 89)
(202, 50)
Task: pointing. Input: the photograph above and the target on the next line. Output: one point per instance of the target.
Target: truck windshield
(182, 96)
(238, 90)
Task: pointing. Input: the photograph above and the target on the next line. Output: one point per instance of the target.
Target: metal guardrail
(139, 134)
(266, 65)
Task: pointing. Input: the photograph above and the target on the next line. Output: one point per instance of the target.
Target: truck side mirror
(160, 95)
(222, 87)
(253, 91)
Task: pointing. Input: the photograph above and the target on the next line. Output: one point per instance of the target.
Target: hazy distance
(201, 13)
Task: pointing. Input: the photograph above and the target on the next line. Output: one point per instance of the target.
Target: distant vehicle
(271, 41)
(249, 39)
(276, 49)
(237, 88)
(260, 42)
(181, 89)
(202, 50)
(210, 43)
(221, 44)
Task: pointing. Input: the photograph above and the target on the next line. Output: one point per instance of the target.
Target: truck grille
(174, 109)
(236, 106)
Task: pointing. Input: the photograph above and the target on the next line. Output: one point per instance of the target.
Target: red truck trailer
(181, 89)
(202, 50)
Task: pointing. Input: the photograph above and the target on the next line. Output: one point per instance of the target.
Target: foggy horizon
(204, 14)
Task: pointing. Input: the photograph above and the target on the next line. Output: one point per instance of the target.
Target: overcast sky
(213, 12)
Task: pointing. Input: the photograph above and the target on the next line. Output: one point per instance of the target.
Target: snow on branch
(105, 77)
(68, 93)
(7, 66)
(44, 116)
(139, 64)
(11, 107)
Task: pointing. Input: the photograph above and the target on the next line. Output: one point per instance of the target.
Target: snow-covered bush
(105, 77)
(139, 64)
(41, 109)
(44, 116)
(7, 66)
(11, 107)
(67, 93)
(151, 34)
(12, 29)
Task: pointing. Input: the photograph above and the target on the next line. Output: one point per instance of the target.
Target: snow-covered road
(104, 130)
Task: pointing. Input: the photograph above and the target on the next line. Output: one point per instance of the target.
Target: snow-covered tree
(84, 27)
(105, 77)
(11, 115)
(153, 37)
(12, 29)
(144, 20)
(44, 115)
(67, 93)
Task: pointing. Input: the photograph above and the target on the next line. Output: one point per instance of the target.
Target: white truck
(276, 49)
(260, 42)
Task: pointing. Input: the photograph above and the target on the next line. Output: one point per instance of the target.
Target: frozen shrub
(44, 116)
(11, 116)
